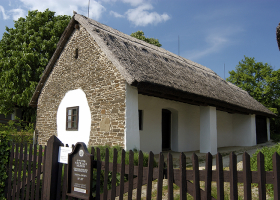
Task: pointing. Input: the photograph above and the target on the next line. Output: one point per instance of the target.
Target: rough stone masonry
(83, 65)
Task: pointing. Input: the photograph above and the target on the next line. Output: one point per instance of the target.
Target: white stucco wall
(224, 129)
(184, 124)
(208, 129)
(244, 130)
(132, 138)
(74, 98)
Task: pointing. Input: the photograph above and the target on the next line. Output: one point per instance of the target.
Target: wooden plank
(126, 185)
(196, 184)
(233, 176)
(150, 176)
(139, 175)
(59, 176)
(15, 174)
(130, 175)
(208, 178)
(98, 171)
(276, 171)
(220, 177)
(160, 176)
(24, 171)
(183, 182)
(10, 172)
(170, 176)
(43, 169)
(51, 169)
(114, 174)
(261, 176)
(105, 190)
(64, 186)
(190, 189)
(121, 187)
(38, 180)
(33, 174)
(247, 176)
(19, 171)
(29, 171)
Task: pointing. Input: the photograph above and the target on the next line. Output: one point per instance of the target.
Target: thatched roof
(158, 72)
(278, 35)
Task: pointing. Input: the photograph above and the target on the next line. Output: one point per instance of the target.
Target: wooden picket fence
(26, 179)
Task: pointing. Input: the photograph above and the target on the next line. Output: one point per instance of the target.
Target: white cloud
(115, 14)
(131, 2)
(66, 7)
(17, 13)
(141, 17)
(217, 40)
(3, 13)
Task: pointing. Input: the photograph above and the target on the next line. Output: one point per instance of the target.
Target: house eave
(193, 99)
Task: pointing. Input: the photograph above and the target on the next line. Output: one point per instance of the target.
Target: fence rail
(27, 163)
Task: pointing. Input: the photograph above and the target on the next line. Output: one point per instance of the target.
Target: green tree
(25, 51)
(140, 35)
(261, 82)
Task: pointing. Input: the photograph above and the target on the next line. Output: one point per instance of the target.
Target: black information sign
(80, 163)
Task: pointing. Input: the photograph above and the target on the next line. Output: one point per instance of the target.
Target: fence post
(51, 168)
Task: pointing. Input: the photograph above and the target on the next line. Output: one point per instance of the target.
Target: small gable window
(72, 118)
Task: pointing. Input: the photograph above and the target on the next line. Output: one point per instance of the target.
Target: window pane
(69, 124)
(74, 118)
(69, 118)
(69, 112)
(74, 111)
(74, 125)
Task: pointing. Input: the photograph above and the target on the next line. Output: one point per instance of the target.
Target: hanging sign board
(79, 177)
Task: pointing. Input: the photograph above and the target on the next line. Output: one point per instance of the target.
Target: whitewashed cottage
(102, 86)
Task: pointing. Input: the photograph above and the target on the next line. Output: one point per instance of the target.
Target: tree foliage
(261, 82)
(140, 35)
(24, 53)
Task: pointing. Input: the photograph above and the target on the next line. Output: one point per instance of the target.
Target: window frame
(77, 118)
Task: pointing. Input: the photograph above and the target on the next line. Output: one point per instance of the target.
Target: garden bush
(13, 131)
(4, 155)
(268, 164)
(19, 131)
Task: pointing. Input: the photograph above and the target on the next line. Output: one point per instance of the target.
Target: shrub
(19, 131)
(4, 155)
(268, 164)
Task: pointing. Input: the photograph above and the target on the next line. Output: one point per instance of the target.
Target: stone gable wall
(102, 83)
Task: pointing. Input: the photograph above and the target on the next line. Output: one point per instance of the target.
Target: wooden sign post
(79, 177)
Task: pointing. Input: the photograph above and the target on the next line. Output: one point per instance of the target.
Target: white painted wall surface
(132, 137)
(244, 130)
(74, 98)
(268, 128)
(184, 123)
(224, 129)
(208, 130)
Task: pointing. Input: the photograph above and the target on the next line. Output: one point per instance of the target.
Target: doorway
(261, 129)
(166, 129)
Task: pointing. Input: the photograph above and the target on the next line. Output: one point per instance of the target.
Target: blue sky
(213, 33)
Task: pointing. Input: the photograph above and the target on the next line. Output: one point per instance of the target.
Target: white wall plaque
(63, 154)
